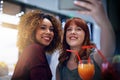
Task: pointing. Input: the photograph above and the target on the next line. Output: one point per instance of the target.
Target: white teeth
(73, 38)
(46, 38)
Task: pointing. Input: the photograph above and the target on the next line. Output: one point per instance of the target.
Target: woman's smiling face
(44, 33)
(75, 35)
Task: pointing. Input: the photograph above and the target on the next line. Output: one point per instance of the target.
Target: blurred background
(11, 10)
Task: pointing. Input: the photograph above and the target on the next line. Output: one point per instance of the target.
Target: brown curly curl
(28, 25)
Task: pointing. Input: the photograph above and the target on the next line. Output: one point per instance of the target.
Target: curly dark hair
(84, 53)
(28, 24)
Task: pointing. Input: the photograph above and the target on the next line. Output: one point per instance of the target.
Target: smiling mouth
(73, 38)
(47, 38)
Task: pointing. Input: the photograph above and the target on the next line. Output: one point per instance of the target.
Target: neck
(75, 48)
(73, 55)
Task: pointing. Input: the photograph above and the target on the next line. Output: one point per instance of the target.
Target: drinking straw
(89, 60)
(99, 52)
(90, 46)
(85, 47)
(76, 53)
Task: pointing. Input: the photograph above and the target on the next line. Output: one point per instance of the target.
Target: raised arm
(97, 12)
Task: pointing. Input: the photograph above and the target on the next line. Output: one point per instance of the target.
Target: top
(67, 74)
(32, 65)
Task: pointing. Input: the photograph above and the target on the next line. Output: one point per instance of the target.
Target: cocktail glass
(86, 69)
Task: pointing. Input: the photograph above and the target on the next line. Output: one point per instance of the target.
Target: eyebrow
(46, 25)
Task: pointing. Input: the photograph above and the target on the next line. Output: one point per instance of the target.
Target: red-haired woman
(76, 34)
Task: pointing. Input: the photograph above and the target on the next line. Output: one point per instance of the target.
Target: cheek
(38, 34)
(66, 37)
(82, 36)
(52, 34)
(68, 34)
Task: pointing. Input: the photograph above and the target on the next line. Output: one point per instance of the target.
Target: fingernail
(75, 1)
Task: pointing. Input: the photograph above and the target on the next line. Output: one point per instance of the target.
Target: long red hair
(84, 53)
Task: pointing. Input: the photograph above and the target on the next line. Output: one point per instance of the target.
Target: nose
(48, 31)
(73, 31)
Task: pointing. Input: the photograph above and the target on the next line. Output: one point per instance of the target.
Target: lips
(47, 38)
(73, 37)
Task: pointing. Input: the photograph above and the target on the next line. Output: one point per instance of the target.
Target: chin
(73, 44)
(47, 44)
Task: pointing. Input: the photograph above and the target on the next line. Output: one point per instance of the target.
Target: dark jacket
(32, 65)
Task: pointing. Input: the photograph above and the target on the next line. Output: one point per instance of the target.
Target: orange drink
(86, 70)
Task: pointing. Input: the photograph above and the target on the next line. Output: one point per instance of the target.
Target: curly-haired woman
(38, 33)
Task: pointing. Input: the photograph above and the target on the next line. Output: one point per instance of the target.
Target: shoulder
(34, 47)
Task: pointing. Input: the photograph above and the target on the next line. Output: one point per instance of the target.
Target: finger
(95, 2)
(92, 1)
(83, 4)
(84, 12)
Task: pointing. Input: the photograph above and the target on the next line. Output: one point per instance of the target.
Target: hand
(94, 8)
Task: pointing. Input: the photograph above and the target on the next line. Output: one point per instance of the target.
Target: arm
(107, 38)
(32, 64)
(22, 66)
(39, 68)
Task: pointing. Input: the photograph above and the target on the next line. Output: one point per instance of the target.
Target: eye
(51, 28)
(69, 29)
(43, 27)
(78, 28)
